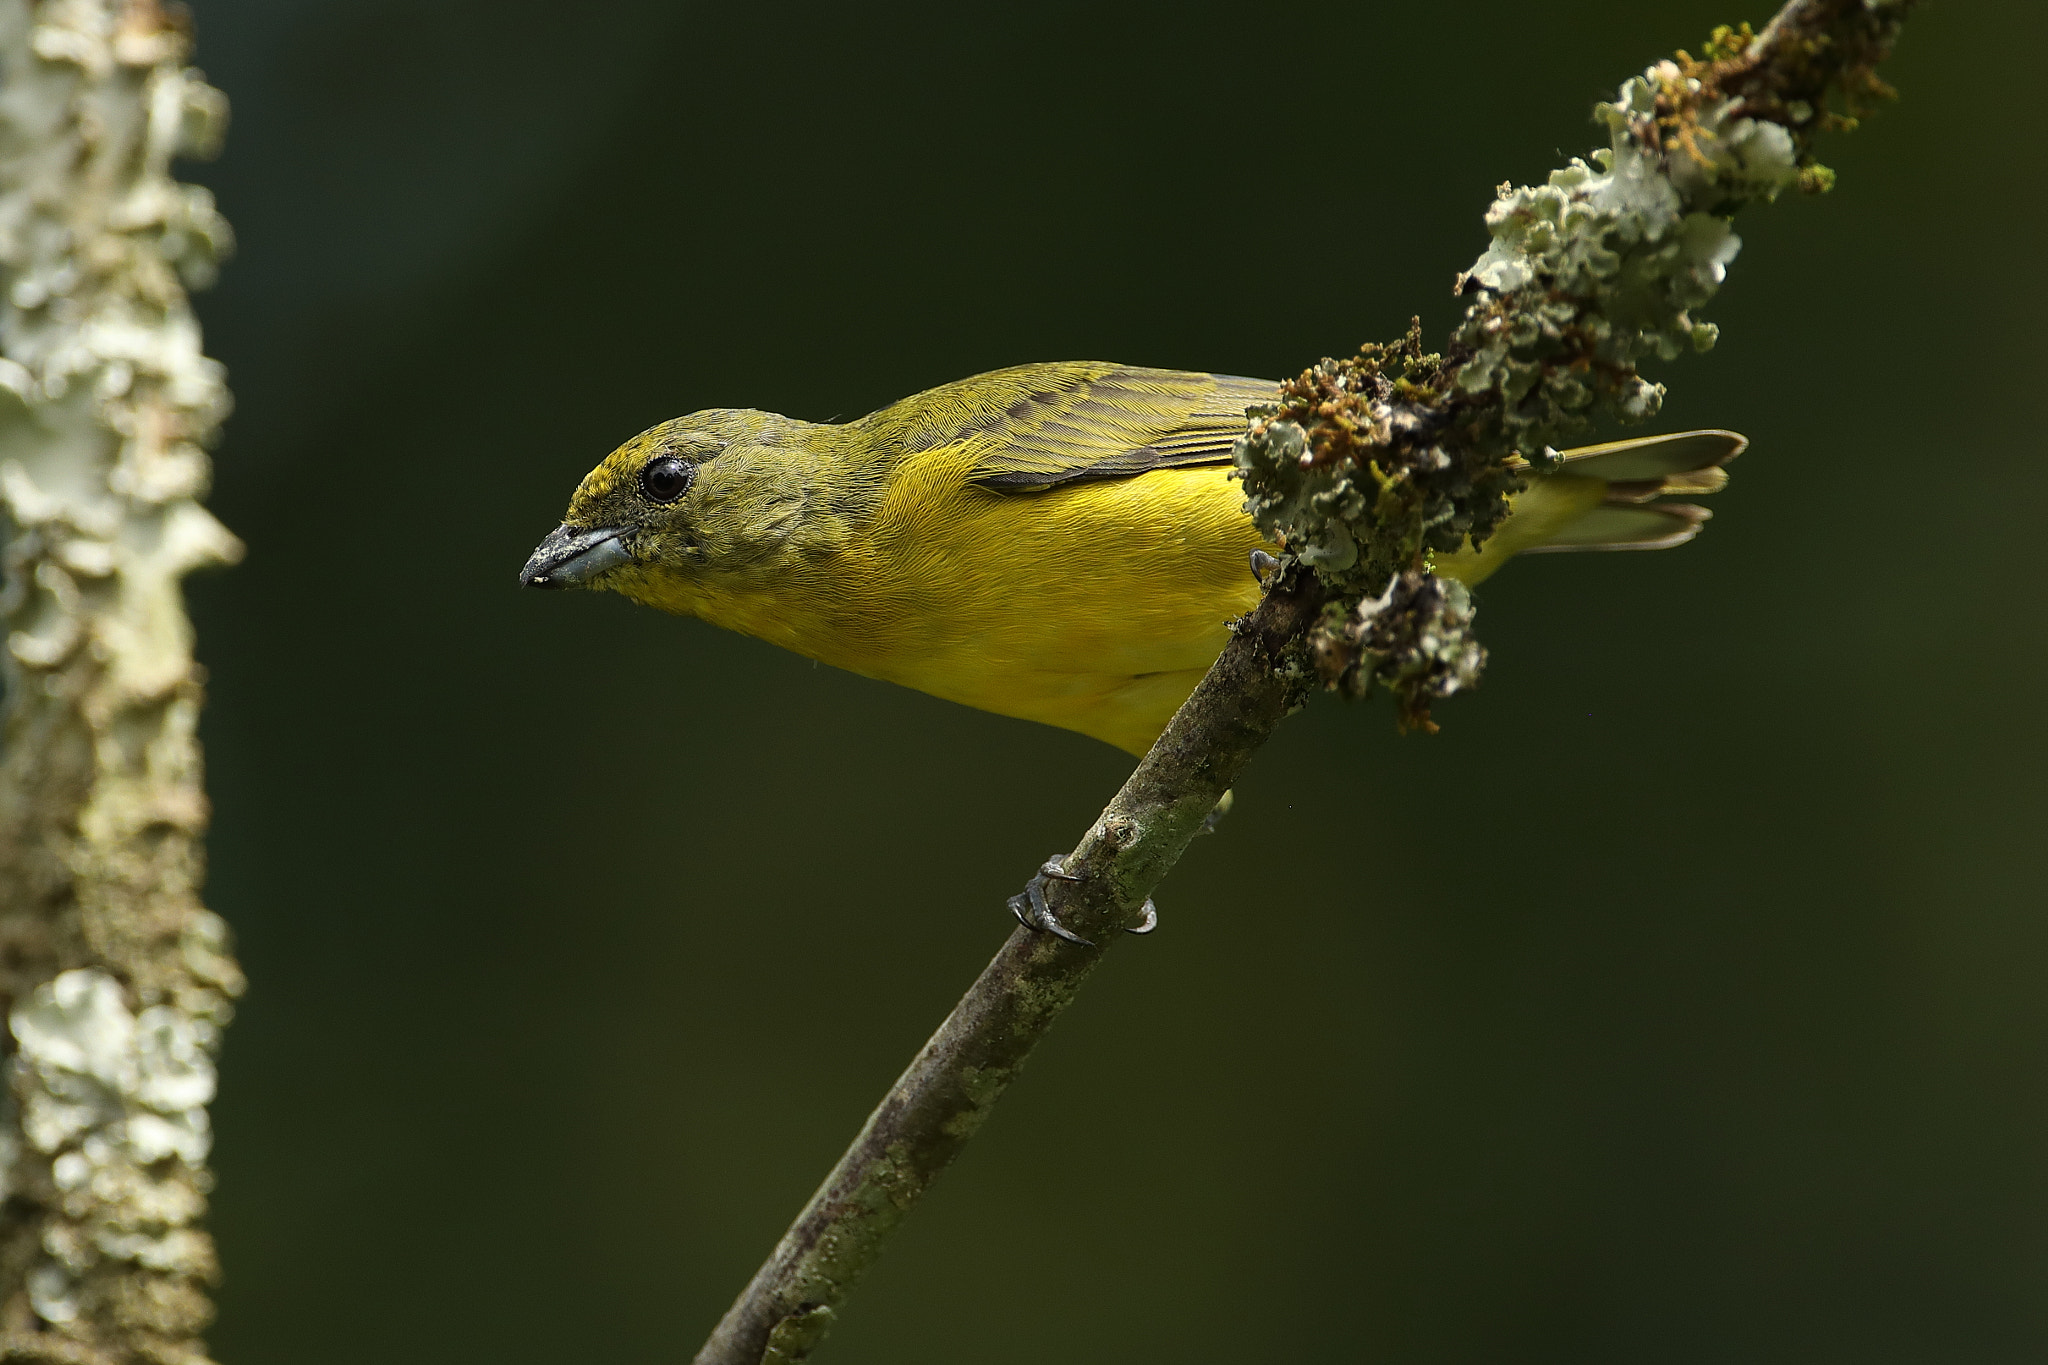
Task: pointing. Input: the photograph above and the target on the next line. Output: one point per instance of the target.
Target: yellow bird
(1062, 543)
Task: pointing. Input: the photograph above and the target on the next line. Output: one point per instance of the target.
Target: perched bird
(1060, 542)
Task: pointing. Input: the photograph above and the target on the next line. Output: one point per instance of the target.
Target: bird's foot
(1263, 565)
(1033, 911)
(1031, 908)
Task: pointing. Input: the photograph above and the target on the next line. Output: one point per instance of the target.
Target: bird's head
(702, 494)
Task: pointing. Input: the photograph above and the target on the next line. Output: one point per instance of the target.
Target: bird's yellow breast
(1095, 607)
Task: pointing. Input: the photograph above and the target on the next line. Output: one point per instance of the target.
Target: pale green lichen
(116, 1103)
(1356, 472)
(1415, 639)
(1601, 267)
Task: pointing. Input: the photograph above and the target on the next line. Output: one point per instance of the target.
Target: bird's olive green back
(1040, 426)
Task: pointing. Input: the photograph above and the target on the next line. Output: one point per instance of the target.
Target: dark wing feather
(1036, 427)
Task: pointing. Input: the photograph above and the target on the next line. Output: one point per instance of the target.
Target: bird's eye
(667, 478)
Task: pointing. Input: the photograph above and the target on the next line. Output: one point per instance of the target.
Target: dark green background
(1683, 1001)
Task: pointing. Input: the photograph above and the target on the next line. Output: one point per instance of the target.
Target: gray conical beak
(570, 557)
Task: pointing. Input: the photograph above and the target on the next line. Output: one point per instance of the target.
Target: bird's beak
(570, 558)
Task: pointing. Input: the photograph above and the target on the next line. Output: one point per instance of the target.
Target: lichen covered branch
(114, 979)
(1364, 470)
(1371, 464)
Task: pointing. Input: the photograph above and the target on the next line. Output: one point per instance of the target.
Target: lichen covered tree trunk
(116, 979)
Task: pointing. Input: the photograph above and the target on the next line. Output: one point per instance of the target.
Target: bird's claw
(1263, 565)
(1033, 911)
(1031, 908)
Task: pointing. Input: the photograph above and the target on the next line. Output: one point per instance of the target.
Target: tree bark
(116, 979)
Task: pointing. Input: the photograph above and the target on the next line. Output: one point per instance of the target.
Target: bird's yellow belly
(1096, 608)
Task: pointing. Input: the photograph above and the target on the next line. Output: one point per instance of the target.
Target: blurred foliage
(1734, 1050)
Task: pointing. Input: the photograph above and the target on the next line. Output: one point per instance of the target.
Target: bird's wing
(1035, 427)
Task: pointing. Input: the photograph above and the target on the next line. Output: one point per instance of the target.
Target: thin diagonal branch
(947, 1092)
(1362, 469)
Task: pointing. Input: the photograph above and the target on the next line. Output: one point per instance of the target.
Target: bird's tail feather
(1636, 472)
